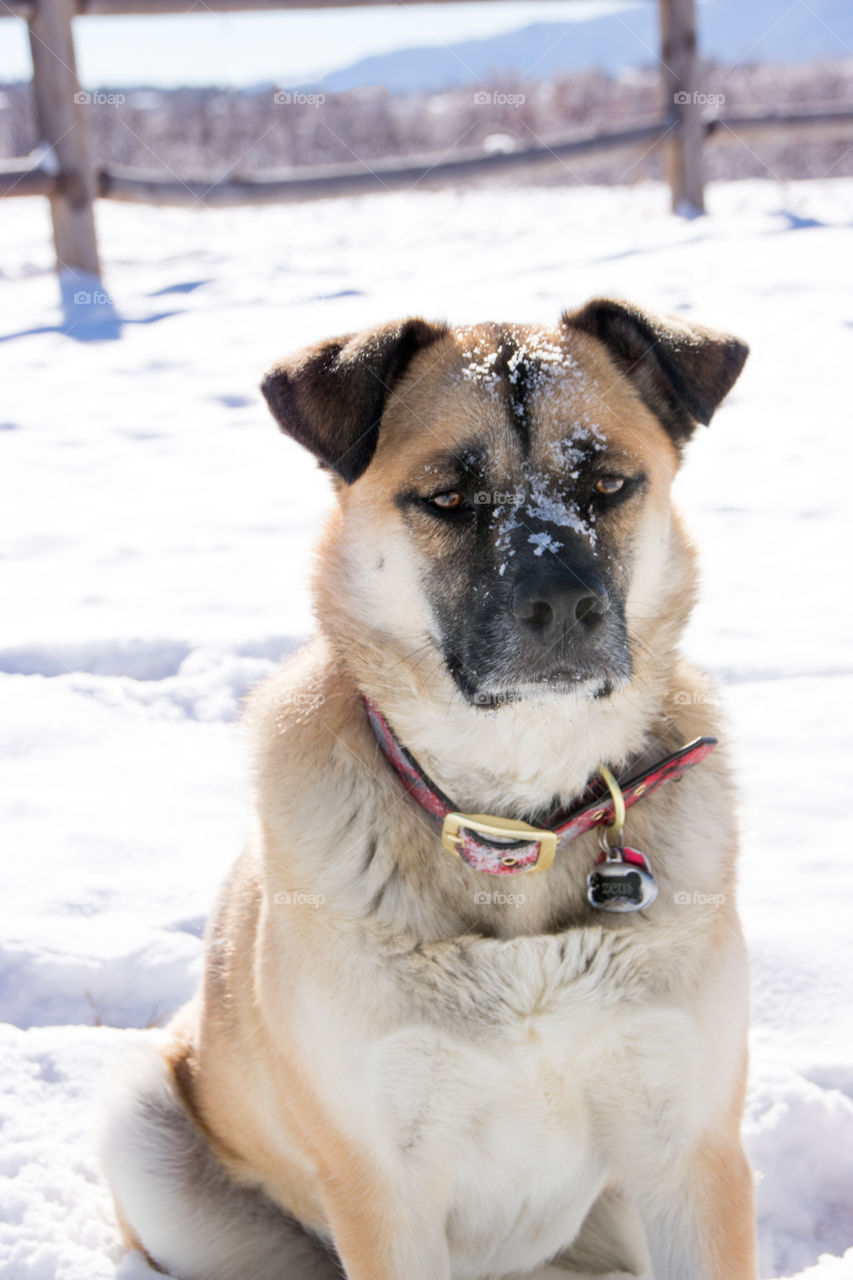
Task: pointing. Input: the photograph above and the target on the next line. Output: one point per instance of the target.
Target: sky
(250, 48)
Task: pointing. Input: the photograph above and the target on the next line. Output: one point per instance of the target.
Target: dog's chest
(516, 1123)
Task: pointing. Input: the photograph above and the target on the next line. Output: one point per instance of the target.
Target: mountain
(729, 31)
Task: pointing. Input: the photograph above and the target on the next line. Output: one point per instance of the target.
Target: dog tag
(622, 881)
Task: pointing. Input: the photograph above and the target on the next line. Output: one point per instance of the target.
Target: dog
(451, 1025)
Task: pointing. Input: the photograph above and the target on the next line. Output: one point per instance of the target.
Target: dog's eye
(449, 501)
(608, 485)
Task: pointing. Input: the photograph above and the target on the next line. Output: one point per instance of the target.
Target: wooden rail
(327, 181)
(26, 178)
(129, 8)
(835, 120)
(339, 180)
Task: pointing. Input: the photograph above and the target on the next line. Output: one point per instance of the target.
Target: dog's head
(504, 490)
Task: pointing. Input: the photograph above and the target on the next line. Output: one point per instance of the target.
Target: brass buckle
(497, 829)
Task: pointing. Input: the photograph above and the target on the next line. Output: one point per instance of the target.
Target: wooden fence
(63, 170)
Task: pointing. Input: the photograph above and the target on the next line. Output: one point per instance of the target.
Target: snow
(157, 536)
(543, 542)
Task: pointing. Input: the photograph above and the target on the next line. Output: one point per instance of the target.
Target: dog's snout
(551, 606)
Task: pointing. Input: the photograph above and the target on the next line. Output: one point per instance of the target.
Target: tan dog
(399, 1066)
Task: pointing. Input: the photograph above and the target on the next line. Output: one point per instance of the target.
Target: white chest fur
(503, 1099)
(515, 1139)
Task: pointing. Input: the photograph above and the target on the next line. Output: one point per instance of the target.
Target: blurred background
(198, 89)
(187, 196)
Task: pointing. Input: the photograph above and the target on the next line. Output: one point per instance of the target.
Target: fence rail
(325, 181)
(342, 180)
(828, 121)
(146, 8)
(26, 178)
(63, 170)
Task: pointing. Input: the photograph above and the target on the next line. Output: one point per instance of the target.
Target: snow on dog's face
(504, 490)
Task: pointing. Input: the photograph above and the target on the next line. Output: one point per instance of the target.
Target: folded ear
(331, 397)
(681, 370)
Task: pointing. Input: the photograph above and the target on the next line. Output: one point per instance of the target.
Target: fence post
(60, 110)
(679, 60)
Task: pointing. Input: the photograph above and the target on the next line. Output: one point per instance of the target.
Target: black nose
(551, 606)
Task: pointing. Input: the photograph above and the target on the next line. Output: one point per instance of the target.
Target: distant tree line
(212, 133)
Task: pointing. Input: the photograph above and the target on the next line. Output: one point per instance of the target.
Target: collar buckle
(509, 829)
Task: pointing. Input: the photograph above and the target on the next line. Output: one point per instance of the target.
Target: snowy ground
(147, 502)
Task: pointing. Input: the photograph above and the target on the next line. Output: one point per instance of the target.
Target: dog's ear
(331, 397)
(681, 370)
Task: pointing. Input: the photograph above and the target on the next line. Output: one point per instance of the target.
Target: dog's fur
(398, 1068)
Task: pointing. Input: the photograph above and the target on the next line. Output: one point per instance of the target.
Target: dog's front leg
(704, 1227)
(379, 1238)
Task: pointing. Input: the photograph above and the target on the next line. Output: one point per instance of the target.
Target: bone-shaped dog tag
(622, 881)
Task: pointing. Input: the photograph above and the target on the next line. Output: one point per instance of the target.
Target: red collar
(503, 846)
